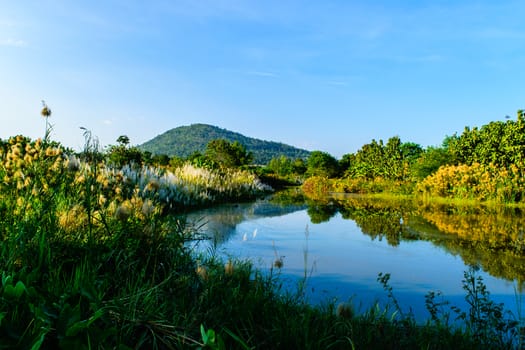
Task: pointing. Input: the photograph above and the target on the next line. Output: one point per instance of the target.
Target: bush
(476, 182)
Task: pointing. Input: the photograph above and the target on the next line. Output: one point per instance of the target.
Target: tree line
(497, 149)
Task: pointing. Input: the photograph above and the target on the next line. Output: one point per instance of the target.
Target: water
(339, 262)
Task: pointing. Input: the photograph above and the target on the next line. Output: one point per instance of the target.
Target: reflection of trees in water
(321, 211)
(220, 222)
(495, 228)
(490, 238)
(377, 224)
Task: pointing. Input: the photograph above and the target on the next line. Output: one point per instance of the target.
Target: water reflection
(221, 221)
(356, 237)
(488, 237)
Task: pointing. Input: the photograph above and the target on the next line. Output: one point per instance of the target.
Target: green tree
(390, 161)
(346, 162)
(368, 161)
(228, 154)
(299, 166)
(322, 164)
(281, 166)
(122, 154)
(123, 140)
(430, 161)
(501, 143)
(160, 159)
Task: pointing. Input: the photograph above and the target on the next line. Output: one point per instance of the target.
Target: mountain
(185, 140)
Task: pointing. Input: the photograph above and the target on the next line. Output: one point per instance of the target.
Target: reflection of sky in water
(342, 262)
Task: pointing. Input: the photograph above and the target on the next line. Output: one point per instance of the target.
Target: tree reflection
(492, 238)
(321, 211)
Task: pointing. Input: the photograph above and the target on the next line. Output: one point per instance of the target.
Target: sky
(327, 75)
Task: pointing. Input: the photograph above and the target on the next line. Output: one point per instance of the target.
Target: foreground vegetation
(90, 258)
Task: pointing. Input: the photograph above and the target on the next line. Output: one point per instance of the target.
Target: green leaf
(39, 341)
(84, 324)
(14, 292)
(204, 335)
(7, 279)
(211, 337)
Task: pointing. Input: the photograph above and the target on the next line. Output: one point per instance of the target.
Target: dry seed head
(73, 164)
(278, 263)
(50, 152)
(153, 185)
(73, 218)
(228, 268)
(16, 151)
(344, 310)
(80, 179)
(202, 272)
(123, 212)
(46, 111)
(57, 164)
(102, 200)
(18, 175)
(148, 208)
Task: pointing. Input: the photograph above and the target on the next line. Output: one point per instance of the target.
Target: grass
(97, 264)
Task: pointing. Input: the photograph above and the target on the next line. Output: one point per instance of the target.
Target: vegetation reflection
(489, 237)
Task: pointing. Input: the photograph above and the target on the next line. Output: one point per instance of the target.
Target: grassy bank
(90, 259)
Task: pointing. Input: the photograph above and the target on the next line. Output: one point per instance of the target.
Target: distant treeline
(485, 163)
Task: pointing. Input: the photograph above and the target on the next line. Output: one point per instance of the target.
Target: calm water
(341, 248)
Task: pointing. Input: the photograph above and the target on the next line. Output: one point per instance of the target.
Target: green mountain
(185, 140)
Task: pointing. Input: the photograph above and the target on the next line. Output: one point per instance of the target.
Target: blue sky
(325, 75)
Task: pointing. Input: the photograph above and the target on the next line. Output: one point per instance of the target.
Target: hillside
(185, 140)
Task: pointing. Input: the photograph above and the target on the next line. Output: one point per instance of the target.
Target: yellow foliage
(476, 182)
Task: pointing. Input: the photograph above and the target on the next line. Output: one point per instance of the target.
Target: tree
(430, 161)
(391, 161)
(299, 166)
(501, 143)
(322, 164)
(346, 162)
(122, 154)
(227, 154)
(123, 140)
(281, 166)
